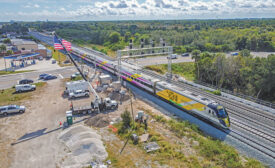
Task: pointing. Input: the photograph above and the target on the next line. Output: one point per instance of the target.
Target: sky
(97, 10)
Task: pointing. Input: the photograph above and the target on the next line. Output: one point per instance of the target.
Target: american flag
(58, 45)
(67, 44)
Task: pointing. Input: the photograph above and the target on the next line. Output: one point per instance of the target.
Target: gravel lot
(30, 139)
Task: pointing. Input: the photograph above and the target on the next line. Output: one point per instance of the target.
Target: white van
(25, 87)
(172, 56)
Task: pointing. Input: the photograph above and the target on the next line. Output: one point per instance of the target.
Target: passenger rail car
(197, 105)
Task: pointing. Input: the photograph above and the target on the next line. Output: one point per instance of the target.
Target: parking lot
(29, 139)
(7, 81)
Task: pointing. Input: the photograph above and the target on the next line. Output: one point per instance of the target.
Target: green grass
(185, 69)
(207, 152)
(215, 92)
(213, 150)
(13, 72)
(8, 96)
(104, 49)
(58, 56)
(79, 77)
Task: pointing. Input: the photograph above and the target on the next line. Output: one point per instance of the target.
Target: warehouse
(24, 45)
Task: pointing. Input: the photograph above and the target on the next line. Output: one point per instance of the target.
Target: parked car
(53, 61)
(41, 76)
(172, 56)
(78, 93)
(185, 54)
(25, 81)
(75, 75)
(40, 58)
(24, 87)
(49, 77)
(5, 110)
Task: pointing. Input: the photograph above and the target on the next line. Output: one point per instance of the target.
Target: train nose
(227, 122)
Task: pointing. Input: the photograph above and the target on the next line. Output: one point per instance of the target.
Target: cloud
(36, 6)
(152, 9)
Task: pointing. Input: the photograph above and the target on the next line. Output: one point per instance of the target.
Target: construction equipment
(97, 101)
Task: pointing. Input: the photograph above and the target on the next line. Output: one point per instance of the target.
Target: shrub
(217, 92)
(126, 121)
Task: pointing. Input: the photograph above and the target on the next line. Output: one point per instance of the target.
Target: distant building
(42, 50)
(24, 45)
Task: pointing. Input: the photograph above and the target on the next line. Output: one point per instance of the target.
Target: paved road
(7, 81)
(159, 60)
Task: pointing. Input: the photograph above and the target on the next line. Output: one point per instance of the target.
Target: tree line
(242, 74)
(185, 35)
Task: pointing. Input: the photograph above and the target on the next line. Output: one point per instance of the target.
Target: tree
(126, 119)
(127, 36)
(114, 37)
(7, 41)
(196, 56)
(245, 53)
(9, 52)
(3, 48)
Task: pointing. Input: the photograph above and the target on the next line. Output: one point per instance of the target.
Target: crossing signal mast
(143, 51)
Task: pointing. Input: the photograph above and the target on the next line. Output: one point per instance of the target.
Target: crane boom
(97, 97)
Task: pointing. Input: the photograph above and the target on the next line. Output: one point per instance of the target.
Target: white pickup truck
(79, 93)
(25, 87)
(110, 104)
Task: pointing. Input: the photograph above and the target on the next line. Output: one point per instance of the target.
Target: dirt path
(29, 140)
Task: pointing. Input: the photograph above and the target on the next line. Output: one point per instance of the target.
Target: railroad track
(234, 133)
(252, 143)
(253, 130)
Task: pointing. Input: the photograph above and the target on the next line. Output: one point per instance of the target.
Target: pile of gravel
(85, 146)
(100, 121)
(118, 97)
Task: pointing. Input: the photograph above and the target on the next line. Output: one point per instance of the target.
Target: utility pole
(169, 74)
(119, 65)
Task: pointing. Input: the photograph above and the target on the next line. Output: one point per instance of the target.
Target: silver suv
(5, 110)
(25, 87)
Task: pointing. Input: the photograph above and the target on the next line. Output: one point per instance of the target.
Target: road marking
(61, 76)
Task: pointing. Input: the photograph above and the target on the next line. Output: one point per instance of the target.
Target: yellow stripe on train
(175, 97)
(197, 106)
(135, 76)
(180, 99)
(83, 56)
(102, 63)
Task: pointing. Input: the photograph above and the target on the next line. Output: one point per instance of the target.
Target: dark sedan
(25, 81)
(49, 77)
(41, 76)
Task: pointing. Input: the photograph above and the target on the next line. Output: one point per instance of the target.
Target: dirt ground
(29, 140)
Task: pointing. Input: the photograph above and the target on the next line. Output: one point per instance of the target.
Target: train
(197, 105)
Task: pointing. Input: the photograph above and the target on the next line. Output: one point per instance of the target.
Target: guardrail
(250, 98)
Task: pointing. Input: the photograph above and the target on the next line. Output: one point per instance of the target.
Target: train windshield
(222, 113)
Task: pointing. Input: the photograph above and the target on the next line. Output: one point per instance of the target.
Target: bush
(126, 121)
(217, 92)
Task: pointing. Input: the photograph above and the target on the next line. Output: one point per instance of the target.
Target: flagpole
(59, 57)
